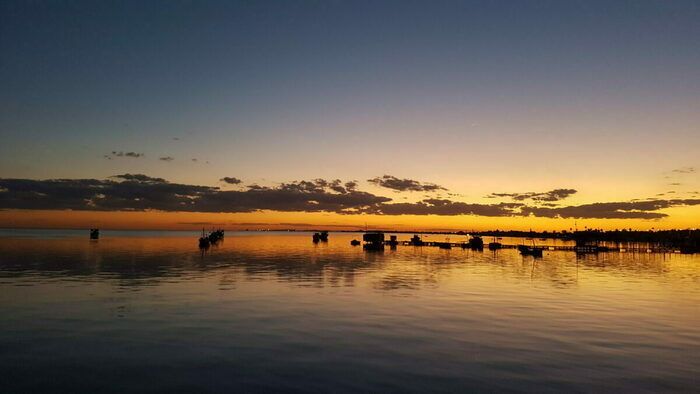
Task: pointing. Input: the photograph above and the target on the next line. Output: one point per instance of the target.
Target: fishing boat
(204, 240)
(444, 245)
(495, 245)
(212, 238)
(534, 251)
(355, 242)
(94, 233)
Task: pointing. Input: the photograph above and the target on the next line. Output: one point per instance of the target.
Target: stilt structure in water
(373, 241)
(212, 238)
(416, 240)
(476, 243)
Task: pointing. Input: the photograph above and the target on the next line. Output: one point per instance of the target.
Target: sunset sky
(430, 114)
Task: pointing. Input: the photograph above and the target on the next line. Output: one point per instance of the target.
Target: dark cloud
(611, 210)
(139, 178)
(139, 192)
(166, 158)
(123, 154)
(550, 196)
(684, 170)
(230, 180)
(675, 184)
(435, 206)
(394, 183)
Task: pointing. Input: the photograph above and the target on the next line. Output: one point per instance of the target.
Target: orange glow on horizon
(685, 217)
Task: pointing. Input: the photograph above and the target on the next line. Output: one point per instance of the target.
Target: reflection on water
(273, 311)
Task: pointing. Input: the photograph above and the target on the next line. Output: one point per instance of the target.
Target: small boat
(316, 238)
(94, 233)
(534, 251)
(444, 245)
(323, 236)
(212, 238)
(355, 242)
(204, 241)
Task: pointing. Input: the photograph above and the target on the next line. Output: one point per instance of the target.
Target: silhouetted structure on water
(94, 233)
(393, 241)
(320, 237)
(416, 240)
(495, 245)
(534, 251)
(212, 238)
(476, 243)
(373, 241)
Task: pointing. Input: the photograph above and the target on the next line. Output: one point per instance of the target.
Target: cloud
(123, 154)
(402, 185)
(230, 180)
(443, 207)
(612, 210)
(139, 178)
(139, 192)
(550, 196)
(166, 158)
(684, 170)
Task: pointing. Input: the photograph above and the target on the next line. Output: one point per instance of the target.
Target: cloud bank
(139, 192)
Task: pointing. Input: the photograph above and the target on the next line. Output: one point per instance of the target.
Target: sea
(267, 312)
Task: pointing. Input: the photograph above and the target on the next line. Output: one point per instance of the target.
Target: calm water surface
(272, 312)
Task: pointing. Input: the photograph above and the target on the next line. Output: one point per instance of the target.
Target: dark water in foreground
(273, 312)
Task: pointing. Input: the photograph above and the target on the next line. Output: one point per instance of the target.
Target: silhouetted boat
(210, 239)
(495, 245)
(355, 242)
(444, 245)
(534, 251)
(393, 241)
(316, 238)
(94, 233)
(323, 235)
(204, 240)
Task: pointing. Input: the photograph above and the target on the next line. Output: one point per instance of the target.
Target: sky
(142, 109)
